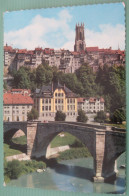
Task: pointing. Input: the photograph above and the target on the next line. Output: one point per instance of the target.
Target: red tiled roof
(38, 49)
(102, 100)
(92, 49)
(92, 100)
(13, 99)
(9, 49)
(80, 99)
(22, 51)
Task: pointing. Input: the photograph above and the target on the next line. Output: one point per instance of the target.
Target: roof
(92, 49)
(9, 49)
(48, 90)
(91, 99)
(38, 49)
(13, 99)
(81, 100)
(22, 51)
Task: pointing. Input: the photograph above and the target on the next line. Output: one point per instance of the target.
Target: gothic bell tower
(80, 44)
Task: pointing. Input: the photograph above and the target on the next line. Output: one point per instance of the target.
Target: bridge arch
(46, 133)
(74, 145)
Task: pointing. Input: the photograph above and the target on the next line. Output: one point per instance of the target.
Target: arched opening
(68, 155)
(15, 142)
(120, 164)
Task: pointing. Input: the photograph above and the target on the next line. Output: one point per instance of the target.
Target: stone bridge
(104, 143)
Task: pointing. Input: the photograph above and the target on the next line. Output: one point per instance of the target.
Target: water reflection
(72, 175)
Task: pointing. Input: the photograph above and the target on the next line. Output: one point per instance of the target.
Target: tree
(81, 116)
(21, 78)
(13, 169)
(33, 114)
(86, 76)
(118, 116)
(60, 116)
(100, 117)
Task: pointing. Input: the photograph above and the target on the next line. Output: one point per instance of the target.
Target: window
(42, 100)
(46, 100)
(28, 106)
(22, 107)
(55, 100)
(50, 108)
(43, 108)
(70, 100)
(46, 108)
(49, 100)
(58, 100)
(58, 94)
(67, 100)
(55, 94)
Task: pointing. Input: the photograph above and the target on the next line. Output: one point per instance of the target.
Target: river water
(72, 176)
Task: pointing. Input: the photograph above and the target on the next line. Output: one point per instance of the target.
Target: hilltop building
(65, 60)
(55, 97)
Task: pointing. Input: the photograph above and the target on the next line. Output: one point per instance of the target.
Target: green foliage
(21, 78)
(8, 151)
(22, 140)
(81, 116)
(5, 86)
(68, 139)
(108, 82)
(112, 79)
(87, 78)
(100, 117)
(74, 153)
(13, 169)
(118, 116)
(60, 116)
(33, 114)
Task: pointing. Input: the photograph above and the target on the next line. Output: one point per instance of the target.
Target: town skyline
(27, 27)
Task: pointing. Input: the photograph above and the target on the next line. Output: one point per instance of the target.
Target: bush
(100, 117)
(74, 153)
(81, 116)
(118, 116)
(60, 116)
(33, 114)
(13, 169)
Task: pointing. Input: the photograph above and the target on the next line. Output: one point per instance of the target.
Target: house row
(47, 101)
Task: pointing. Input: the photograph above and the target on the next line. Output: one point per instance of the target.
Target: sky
(55, 27)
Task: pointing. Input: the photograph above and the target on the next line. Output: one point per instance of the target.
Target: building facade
(65, 60)
(91, 105)
(55, 97)
(16, 106)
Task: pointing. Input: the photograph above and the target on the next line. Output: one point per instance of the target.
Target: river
(72, 176)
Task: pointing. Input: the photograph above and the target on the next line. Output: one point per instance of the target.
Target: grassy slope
(9, 151)
(68, 139)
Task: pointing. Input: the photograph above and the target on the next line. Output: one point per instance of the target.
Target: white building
(16, 107)
(91, 105)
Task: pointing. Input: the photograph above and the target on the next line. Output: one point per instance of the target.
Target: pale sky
(55, 27)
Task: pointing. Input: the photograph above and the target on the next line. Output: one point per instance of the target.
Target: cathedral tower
(80, 44)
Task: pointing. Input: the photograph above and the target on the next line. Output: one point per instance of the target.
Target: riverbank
(14, 169)
(72, 149)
